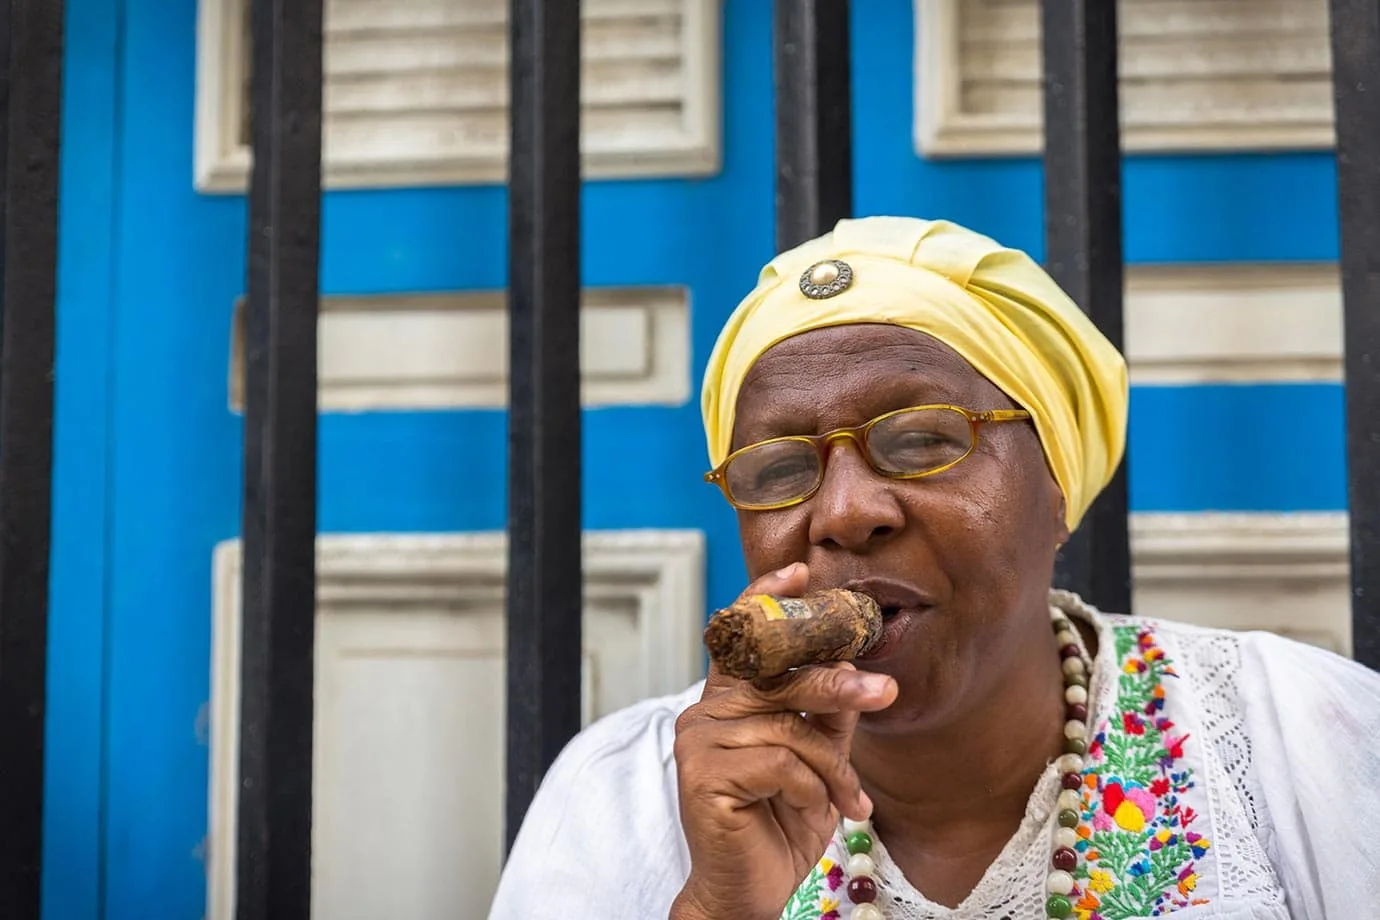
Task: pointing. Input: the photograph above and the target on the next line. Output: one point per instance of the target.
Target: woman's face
(965, 555)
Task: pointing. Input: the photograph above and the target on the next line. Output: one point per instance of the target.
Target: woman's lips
(902, 603)
(895, 625)
(892, 595)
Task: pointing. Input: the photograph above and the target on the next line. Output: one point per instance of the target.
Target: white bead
(866, 912)
(1076, 694)
(1065, 837)
(1074, 666)
(1069, 763)
(854, 827)
(1071, 800)
(1075, 729)
(1067, 638)
(860, 865)
(1059, 882)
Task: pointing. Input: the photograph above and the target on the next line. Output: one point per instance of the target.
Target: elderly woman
(909, 409)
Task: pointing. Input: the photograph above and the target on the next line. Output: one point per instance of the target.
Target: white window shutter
(416, 91)
(1195, 75)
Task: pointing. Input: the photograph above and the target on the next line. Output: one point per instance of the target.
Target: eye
(773, 472)
(914, 442)
(782, 470)
(917, 440)
(911, 451)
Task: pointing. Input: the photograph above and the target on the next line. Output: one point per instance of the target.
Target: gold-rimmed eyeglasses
(904, 444)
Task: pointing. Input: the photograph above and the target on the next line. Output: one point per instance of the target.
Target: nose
(855, 508)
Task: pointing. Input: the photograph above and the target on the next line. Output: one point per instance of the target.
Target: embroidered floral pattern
(1140, 850)
(818, 896)
(1140, 853)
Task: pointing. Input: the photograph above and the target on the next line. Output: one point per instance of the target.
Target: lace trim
(1214, 661)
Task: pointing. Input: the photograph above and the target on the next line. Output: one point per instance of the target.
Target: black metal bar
(30, 108)
(544, 551)
(1356, 85)
(1082, 162)
(814, 140)
(273, 855)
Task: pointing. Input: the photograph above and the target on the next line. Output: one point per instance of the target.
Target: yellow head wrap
(992, 305)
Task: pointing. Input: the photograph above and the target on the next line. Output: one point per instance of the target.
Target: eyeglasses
(904, 444)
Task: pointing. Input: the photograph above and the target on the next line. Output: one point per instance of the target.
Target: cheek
(771, 540)
(981, 548)
(995, 537)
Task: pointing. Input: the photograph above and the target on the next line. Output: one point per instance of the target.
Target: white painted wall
(410, 715)
(440, 351)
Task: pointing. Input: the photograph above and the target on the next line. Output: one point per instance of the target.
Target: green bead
(1079, 679)
(1058, 906)
(859, 842)
(1062, 625)
(1068, 818)
(1077, 746)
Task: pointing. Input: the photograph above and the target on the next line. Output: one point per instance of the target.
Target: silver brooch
(825, 279)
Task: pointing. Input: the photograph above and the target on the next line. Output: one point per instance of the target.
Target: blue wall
(148, 455)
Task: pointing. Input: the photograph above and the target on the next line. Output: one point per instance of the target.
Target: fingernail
(788, 571)
(874, 684)
(866, 801)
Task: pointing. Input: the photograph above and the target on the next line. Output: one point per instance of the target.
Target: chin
(929, 699)
(932, 685)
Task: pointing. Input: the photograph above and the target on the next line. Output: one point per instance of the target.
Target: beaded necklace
(1059, 885)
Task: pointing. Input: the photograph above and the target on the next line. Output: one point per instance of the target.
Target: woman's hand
(761, 785)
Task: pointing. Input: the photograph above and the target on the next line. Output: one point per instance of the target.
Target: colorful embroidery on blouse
(818, 896)
(1140, 851)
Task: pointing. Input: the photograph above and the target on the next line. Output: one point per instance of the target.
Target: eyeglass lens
(907, 443)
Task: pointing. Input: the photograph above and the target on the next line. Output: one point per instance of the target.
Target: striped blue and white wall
(1237, 472)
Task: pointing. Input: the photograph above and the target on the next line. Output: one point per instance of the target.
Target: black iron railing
(814, 125)
(544, 553)
(1082, 160)
(273, 855)
(1356, 81)
(30, 100)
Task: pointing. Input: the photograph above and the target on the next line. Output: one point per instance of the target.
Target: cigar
(761, 636)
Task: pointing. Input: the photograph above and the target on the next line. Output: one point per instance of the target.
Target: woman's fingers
(784, 741)
(838, 687)
(789, 731)
(746, 717)
(748, 776)
(811, 713)
(790, 581)
(802, 823)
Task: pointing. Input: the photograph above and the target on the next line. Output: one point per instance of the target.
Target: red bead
(1073, 781)
(862, 890)
(1078, 712)
(1070, 651)
(1065, 859)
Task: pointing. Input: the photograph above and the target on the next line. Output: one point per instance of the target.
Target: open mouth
(893, 596)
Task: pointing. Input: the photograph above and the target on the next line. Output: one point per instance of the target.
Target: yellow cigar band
(783, 608)
(771, 607)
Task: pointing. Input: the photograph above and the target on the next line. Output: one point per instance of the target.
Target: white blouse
(1233, 775)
